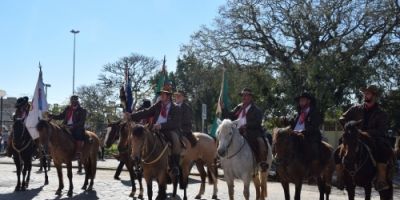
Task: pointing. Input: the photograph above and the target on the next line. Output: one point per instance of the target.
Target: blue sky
(39, 30)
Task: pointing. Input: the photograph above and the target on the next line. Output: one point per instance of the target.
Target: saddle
(87, 138)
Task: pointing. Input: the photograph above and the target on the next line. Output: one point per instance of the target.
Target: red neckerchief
(303, 115)
(70, 112)
(163, 112)
(242, 111)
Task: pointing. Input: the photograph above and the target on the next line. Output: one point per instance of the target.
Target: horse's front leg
(285, 186)
(185, 177)
(203, 175)
(132, 176)
(45, 163)
(23, 177)
(257, 185)
(246, 187)
(367, 190)
(60, 178)
(69, 174)
(231, 187)
(18, 166)
(149, 189)
(139, 175)
(297, 193)
(28, 168)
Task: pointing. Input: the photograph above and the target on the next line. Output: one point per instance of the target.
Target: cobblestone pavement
(105, 187)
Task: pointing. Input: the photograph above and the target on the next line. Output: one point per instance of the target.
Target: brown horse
(62, 147)
(359, 163)
(204, 153)
(397, 148)
(121, 130)
(152, 151)
(292, 167)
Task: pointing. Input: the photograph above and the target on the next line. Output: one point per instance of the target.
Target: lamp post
(46, 85)
(73, 61)
(2, 94)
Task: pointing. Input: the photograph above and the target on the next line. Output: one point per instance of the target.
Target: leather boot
(339, 177)
(381, 183)
(78, 149)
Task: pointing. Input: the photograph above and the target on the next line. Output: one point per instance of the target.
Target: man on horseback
(307, 123)
(74, 117)
(250, 119)
(186, 116)
(166, 116)
(375, 125)
(22, 109)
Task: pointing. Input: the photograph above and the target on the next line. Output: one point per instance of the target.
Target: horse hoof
(58, 192)
(84, 187)
(184, 198)
(69, 194)
(17, 188)
(214, 196)
(46, 182)
(131, 194)
(140, 196)
(90, 188)
(198, 196)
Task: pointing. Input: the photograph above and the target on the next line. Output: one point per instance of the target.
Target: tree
(140, 68)
(330, 48)
(94, 98)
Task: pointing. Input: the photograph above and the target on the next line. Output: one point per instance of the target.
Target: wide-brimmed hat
(371, 88)
(306, 95)
(21, 101)
(74, 98)
(246, 91)
(166, 89)
(181, 92)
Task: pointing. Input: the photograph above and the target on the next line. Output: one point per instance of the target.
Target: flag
(223, 100)
(39, 106)
(162, 81)
(128, 91)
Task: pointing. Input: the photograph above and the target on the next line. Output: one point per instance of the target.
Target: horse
(238, 161)
(292, 166)
(203, 153)
(152, 151)
(359, 163)
(397, 148)
(121, 130)
(62, 146)
(22, 149)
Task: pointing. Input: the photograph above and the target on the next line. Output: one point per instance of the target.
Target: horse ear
(219, 121)
(236, 123)
(358, 122)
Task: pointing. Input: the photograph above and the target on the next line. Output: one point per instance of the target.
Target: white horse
(238, 161)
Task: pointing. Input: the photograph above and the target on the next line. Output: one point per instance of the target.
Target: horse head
(19, 130)
(138, 141)
(112, 134)
(44, 127)
(225, 133)
(280, 141)
(350, 141)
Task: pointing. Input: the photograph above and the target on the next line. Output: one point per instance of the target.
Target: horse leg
(149, 189)
(350, 191)
(162, 195)
(321, 188)
(246, 187)
(257, 185)
(367, 191)
(28, 168)
(44, 160)
(139, 175)
(18, 166)
(285, 186)
(203, 175)
(297, 193)
(132, 176)
(23, 177)
(92, 170)
(69, 174)
(185, 177)
(230, 188)
(85, 183)
(60, 178)
(264, 180)
(213, 176)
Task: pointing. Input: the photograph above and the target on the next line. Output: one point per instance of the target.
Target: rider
(22, 109)
(74, 117)
(250, 119)
(186, 116)
(374, 124)
(307, 123)
(166, 116)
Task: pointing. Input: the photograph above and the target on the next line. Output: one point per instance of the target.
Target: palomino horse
(204, 153)
(120, 130)
(62, 147)
(152, 151)
(359, 163)
(237, 160)
(292, 166)
(22, 148)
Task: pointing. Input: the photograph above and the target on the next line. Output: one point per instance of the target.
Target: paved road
(106, 187)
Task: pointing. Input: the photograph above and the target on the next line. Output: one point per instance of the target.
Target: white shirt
(162, 119)
(242, 119)
(301, 126)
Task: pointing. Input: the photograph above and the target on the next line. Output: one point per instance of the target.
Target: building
(8, 111)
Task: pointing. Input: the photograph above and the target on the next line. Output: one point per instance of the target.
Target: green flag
(162, 81)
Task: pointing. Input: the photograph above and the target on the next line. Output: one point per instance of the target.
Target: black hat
(181, 92)
(146, 103)
(371, 88)
(306, 95)
(21, 101)
(246, 91)
(74, 98)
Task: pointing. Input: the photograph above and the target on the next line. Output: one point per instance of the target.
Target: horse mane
(138, 130)
(279, 132)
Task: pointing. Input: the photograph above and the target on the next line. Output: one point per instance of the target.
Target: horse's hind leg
(69, 174)
(93, 168)
(132, 176)
(297, 193)
(257, 185)
(203, 175)
(60, 178)
(149, 189)
(28, 177)
(45, 163)
(285, 186)
(139, 175)
(351, 191)
(367, 191)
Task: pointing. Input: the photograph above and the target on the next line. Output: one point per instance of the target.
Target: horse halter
(230, 143)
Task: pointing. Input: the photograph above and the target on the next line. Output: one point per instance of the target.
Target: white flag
(39, 105)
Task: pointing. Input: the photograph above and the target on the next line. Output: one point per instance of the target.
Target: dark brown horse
(152, 151)
(62, 150)
(121, 130)
(358, 163)
(292, 165)
(22, 148)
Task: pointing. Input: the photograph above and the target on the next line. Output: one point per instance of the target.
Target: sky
(39, 31)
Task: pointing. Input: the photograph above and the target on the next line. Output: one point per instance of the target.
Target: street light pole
(73, 67)
(46, 85)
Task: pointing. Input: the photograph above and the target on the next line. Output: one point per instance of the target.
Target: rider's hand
(157, 127)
